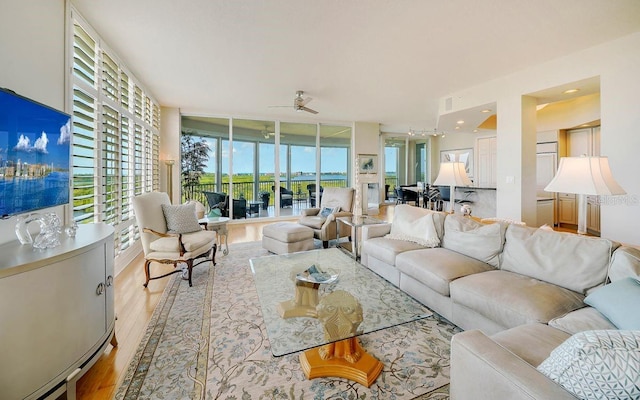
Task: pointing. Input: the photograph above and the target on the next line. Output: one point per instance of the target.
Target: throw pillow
(421, 231)
(618, 301)
(597, 364)
(473, 239)
(181, 218)
(329, 210)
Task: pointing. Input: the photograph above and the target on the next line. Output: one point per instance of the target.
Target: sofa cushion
(512, 299)
(473, 239)
(597, 364)
(625, 262)
(572, 261)
(584, 319)
(404, 212)
(418, 230)
(531, 342)
(386, 250)
(436, 268)
(618, 301)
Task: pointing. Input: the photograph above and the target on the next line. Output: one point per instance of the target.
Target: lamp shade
(584, 175)
(452, 174)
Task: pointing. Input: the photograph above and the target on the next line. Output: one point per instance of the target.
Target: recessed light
(457, 127)
(568, 91)
(460, 122)
(475, 131)
(486, 110)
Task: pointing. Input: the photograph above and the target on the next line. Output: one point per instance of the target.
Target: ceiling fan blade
(307, 109)
(305, 101)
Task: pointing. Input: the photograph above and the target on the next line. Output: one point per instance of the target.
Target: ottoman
(287, 237)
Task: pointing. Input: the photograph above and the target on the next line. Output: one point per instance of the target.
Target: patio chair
(171, 235)
(219, 201)
(313, 193)
(286, 196)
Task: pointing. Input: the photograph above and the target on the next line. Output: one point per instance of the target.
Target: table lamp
(584, 176)
(452, 174)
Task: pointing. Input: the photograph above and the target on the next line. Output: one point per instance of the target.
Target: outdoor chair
(313, 194)
(286, 196)
(219, 201)
(171, 235)
(336, 202)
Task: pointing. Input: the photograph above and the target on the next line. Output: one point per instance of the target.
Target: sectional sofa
(518, 292)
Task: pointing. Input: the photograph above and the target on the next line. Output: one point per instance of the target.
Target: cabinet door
(567, 213)
(579, 142)
(545, 171)
(57, 302)
(487, 161)
(593, 215)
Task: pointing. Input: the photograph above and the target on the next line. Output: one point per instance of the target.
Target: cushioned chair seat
(191, 242)
(312, 221)
(512, 299)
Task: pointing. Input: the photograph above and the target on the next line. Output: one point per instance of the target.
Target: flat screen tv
(35, 146)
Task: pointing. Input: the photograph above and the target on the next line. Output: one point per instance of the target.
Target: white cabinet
(487, 162)
(593, 215)
(57, 311)
(567, 209)
(545, 212)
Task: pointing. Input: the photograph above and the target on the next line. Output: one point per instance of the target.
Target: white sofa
(517, 291)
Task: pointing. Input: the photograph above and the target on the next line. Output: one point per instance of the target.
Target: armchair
(313, 195)
(286, 196)
(325, 226)
(219, 201)
(171, 236)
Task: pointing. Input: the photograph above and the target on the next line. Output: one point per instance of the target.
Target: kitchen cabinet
(545, 212)
(487, 162)
(567, 209)
(593, 215)
(57, 312)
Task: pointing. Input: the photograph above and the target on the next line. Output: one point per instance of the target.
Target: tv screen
(35, 145)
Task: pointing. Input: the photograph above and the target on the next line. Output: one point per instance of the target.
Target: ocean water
(20, 195)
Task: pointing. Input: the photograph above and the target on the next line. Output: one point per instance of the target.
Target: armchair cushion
(191, 241)
(181, 218)
(312, 221)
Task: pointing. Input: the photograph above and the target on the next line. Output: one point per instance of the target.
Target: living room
(36, 63)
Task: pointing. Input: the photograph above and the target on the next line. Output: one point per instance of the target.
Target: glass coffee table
(324, 318)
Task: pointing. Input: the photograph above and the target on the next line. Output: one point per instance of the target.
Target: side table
(355, 222)
(218, 225)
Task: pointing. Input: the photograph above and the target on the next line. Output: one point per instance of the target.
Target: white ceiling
(386, 61)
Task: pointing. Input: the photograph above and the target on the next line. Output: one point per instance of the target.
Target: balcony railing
(246, 189)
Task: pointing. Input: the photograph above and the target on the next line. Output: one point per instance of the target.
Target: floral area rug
(209, 342)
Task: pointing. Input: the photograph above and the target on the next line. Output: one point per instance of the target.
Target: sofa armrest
(377, 230)
(482, 369)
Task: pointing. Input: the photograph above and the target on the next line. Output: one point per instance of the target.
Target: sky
(303, 158)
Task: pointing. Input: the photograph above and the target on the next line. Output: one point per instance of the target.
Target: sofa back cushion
(474, 239)
(625, 263)
(574, 262)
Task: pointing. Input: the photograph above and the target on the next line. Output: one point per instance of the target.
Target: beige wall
(616, 63)
(32, 45)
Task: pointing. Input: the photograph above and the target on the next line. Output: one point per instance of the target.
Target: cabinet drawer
(567, 195)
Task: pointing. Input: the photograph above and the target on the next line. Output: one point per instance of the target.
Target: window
(115, 136)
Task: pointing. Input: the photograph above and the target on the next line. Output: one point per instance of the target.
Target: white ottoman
(287, 237)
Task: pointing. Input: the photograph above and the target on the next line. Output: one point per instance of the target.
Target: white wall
(170, 150)
(617, 64)
(32, 45)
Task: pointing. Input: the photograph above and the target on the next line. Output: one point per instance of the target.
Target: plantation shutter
(110, 165)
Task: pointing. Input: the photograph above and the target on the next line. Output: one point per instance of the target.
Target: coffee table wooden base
(364, 368)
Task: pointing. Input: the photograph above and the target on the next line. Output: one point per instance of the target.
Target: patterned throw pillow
(329, 210)
(597, 364)
(181, 219)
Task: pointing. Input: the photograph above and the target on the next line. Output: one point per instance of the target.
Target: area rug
(209, 342)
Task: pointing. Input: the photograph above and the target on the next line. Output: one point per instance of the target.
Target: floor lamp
(584, 176)
(170, 164)
(452, 174)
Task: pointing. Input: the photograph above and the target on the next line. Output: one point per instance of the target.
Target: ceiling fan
(300, 103)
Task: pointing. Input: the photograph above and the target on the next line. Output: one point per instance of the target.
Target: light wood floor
(134, 307)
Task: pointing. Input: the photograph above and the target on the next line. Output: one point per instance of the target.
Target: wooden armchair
(171, 236)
